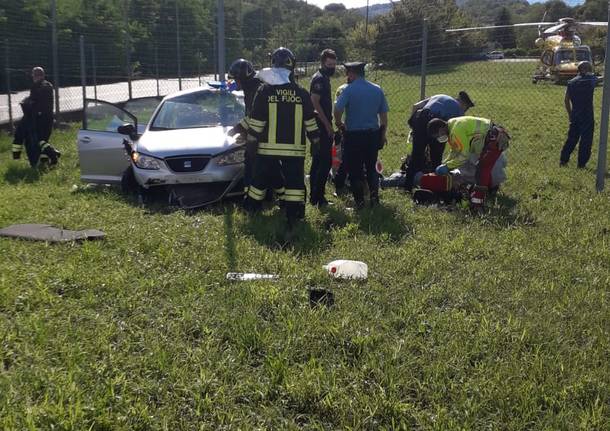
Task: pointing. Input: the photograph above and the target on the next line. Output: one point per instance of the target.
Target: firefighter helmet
(241, 69)
(283, 57)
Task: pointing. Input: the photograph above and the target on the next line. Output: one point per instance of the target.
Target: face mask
(443, 139)
(328, 71)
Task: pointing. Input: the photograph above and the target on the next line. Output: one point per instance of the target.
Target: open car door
(101, 151)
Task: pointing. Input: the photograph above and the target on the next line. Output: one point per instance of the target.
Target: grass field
(499, 321)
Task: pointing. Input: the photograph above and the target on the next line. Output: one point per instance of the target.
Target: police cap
(356, 66)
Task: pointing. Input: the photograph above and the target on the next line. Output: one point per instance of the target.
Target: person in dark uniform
(427, 153)
(320, 90)
(37, 124)
(244, 75)
(579, 106)
(282, 115)
(366, 115)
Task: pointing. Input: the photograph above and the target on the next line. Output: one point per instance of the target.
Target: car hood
(168, 143)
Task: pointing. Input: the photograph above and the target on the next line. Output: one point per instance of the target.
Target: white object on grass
(351, 269)
(248, 276)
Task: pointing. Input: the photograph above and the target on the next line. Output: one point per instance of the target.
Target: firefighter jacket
(282, 116)
(249, 88)
(466, 140)
(41, 98)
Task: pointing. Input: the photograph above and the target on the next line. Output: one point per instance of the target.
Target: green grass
(498, 321)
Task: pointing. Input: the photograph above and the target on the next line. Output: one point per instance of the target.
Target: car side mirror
(127, 130)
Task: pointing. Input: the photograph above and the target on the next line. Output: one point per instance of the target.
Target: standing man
(321, 99)
(579, 106)
(243, 73)
(36, 127)
(281, 117)
(439, 106)
(365, 128)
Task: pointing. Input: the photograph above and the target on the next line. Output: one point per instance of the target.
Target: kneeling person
(475, 158)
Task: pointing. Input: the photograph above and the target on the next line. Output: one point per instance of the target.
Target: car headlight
(232, 158)
(143, 161)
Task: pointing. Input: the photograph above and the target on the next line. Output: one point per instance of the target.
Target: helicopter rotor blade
(489, 27)
(556, 28)
(594, 23)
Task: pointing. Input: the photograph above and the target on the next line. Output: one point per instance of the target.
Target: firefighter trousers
(268, 170)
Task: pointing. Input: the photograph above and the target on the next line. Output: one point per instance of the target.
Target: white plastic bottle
(350, 269)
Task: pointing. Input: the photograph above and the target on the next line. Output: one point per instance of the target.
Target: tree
(505, 36)
(335, 7)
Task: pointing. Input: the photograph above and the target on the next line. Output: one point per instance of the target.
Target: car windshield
(201, 109)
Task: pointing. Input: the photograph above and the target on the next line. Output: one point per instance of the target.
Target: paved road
(71, 98)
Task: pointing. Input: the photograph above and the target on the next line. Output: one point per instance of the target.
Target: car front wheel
(129, 185)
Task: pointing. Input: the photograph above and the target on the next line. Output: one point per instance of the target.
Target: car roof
(202, 89)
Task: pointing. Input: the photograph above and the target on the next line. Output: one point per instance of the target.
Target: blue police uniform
(582, 123)
(444, 107)
(438, 106)
(362, 101)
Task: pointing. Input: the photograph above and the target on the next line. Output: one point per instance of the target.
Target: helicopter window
(547, 58)
(583, 55)
(564, 56)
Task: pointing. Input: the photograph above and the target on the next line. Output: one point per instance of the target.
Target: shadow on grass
(16, 174)
(382, 220)
(271, 230)
(501, 211)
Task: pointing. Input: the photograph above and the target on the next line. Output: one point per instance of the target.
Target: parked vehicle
(179, 143)
(495, 55)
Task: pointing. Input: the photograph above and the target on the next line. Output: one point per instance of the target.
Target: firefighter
(366, 120)
(281, 117)
(579, 105)
(439, 106)
(475, 158)
(244, 75)
(37, 124)
(320, 90)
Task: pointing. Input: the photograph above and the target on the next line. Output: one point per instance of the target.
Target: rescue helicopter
(562, 48)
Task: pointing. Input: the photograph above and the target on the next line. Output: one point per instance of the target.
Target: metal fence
(409, 62)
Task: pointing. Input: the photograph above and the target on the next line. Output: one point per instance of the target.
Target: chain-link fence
(116, 61)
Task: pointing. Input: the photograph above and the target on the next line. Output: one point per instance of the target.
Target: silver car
(180, 143)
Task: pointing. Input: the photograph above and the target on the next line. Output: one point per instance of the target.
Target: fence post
(178, 56)
(221, 40)
(8, 85)
(424, 60)
(94, 70)
(157, 69)
(54, 48)
(603, 129)
(83, 78)
(127, 49)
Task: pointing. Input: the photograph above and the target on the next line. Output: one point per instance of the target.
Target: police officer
(579, 106)
(439, 106)
(365, 127)
(36, 127)
(244, 75)
(321, 99)
(281, 117)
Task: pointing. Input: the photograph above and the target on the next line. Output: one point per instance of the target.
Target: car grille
(187, 164)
